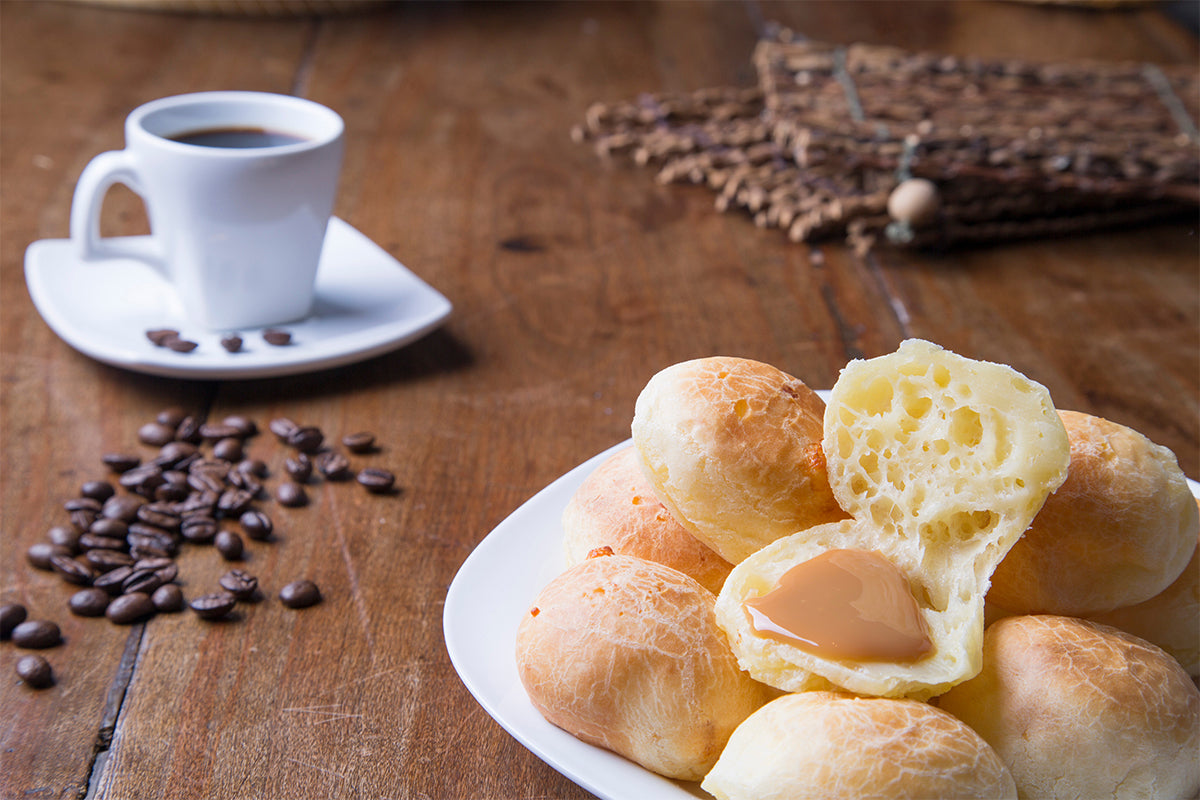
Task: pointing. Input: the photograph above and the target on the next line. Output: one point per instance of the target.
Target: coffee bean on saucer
(130, 608)
(168, 598)
(36, 634)
(359, 442)
(276, 337)
(90, 602)
(213, 606)
(11, 615)
(300, 594)
(35, 671)
(229, 545)
(291, 495)
(256, 524)
(240, 584)
(160, 336)
(231, 343)
(376, 480)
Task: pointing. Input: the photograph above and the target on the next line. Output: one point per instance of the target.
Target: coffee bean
(154, 563)
(376, 480)
(120, 462)
(122, 507)
(35, 671)
(113, 581)
(97, 490)
(246, 481)
(94, 541)
(229, 545)
(89, 602)
(333, 466)
(172, 491)
(106, 560)
(160, 515)
(39, 554)
(257, 525)
(188, 430)
(241, 585)
(282, 427)
(213, 606)
(11, 615)
(231, 343)
(300, 594)
(64, 537)
(299, 467)
(130, 608)
(72, 571)
(359, 442)
(173, 453)
(181, 345)
(144, 581)
(229, 448)
(233, 502)
(276, 337)
(36, 634)
(82, 519)
(167, 598)
(155, 434)
(245, 426)
(108, 528)
(160, 336)
(217, 430)
(291, 495)
(306, 439)
(82, 504)
(199, 529)
(253, 466)
(171, 415)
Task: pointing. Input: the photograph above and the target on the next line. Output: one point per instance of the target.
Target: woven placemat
(991, 150)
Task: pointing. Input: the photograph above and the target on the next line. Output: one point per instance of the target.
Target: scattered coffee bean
(334, 466)
(376, 480)
(72, 571)
(122, 507)
(108, 528)
(144, 581)
(97, 490)
(244, 426)
(106, 560)
(291, 495)
(359, 442)
(113, 581)
(94, 541)
(276, 337)
(229, 545)
(300, 594)
(231, 343)
(181, 345)
(213, 606)
(229, 448)
(65, 537)
(306, 438)
(299, 467)
(11, 615)
(171, 415)
(160, 336)
(188, 430)
(39, 554)
(168, 598)
(89, 602)
(253, 466)
(35, 671)
(282, 427)
(130, 608)
(241, 585)
(36, 634)
(120, 462)
(200, 529)
(156, 434)
(256, 524)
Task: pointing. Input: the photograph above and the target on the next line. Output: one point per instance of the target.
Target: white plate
(367, 303)
(489, 596)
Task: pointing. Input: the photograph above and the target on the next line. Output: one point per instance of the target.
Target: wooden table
(572, 283)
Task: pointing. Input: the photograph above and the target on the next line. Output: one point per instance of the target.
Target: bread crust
(1078, 709)
(732, 448)
(832, 745)
(1118, 532)
(616, 507)
(625, 654)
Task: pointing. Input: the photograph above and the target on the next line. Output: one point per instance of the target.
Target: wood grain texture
(573, 282)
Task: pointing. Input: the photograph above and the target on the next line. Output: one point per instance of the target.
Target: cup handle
(115, 166)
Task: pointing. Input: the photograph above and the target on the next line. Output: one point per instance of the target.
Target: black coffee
(238, 138)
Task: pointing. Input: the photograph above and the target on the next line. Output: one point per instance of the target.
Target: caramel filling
(844, 604)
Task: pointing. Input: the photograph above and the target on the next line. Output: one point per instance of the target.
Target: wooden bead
(914, 201)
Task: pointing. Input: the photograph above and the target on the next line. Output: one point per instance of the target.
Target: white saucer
(367, 304)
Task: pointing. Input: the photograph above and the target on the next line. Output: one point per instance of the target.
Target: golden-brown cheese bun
(732, 447)
(624, 653)
(1081, 710)
(1116, 533)
(616, 507)
(1170, 619)
(943, 461)
(836, 746)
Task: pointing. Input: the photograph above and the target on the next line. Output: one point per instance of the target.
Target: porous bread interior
(942, 461)
(732, 447)
(1078, 709)
(625, 654)
(616, 507)
(1118, 531)
(831, 745)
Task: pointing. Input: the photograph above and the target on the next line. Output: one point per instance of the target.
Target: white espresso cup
(238, 189)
